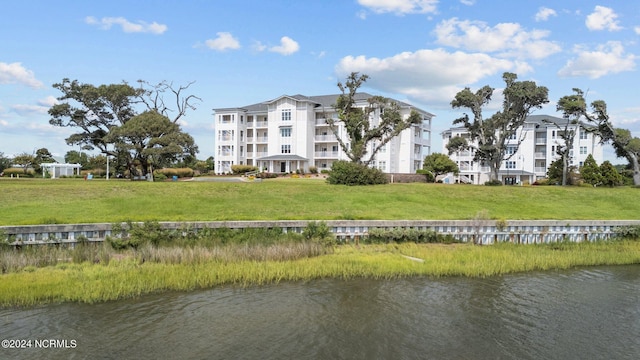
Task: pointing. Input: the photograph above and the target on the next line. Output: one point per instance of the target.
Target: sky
(241, 52)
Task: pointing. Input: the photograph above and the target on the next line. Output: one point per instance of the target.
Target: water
(589, 313)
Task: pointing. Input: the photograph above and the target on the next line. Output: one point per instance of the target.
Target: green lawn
(43, 201)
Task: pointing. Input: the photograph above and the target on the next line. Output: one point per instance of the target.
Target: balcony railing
(326, 154)
(538, 169)
(326, 138)
(541, 155)
(262, 139)
(541, 141)
(262, 123)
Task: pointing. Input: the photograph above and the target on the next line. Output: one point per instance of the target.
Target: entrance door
(283, 167)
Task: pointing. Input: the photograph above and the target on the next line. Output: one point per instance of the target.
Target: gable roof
(326, 101)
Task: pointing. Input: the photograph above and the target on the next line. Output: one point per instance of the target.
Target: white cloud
(400, 7)
(544, 13)
(609, 58)
(42, 107)
(506, 39)
(431, 76)
(15, 73)
(287, 46)
(49, 101)
(602, 18)
(224, 41)
(637, 30)
(127, 26)
(468, 2)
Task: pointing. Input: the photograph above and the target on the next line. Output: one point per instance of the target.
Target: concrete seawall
(481, 231)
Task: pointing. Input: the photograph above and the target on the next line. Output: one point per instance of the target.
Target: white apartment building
(540, 140)
(291, 133)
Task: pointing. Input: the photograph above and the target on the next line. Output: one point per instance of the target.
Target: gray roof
(283, 157)
(319, 100)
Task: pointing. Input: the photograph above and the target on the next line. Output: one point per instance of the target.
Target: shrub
(159, 176)
(313, 169)
(266, 175)
(428, 174)
(628, 232)
(399, 235)
(179, 172)
(493, 183)
(18, 172)
(350, 173)
(241, 169)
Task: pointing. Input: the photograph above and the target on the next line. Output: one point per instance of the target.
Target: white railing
(326, 154)
(327, 138)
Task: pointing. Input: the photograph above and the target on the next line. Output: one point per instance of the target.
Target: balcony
(326, 154)
(541, 155)
(539, 169)
(262, 139)
(262, 124)
(326, 138)
(541, 141)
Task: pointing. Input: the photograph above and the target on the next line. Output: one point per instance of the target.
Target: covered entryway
(283, 164)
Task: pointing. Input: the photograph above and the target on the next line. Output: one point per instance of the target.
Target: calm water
(591, 313)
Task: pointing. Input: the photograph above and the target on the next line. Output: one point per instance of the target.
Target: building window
(510, 164)
(285, 132)
(512, 137)
(583, 150)
(285, 149)
(382, 165)
(286, 115)
(511, 150)
(583, 134)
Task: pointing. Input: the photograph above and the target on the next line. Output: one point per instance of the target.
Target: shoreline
(128, 277)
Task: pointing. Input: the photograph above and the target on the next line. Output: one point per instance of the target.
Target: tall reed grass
(152, 271)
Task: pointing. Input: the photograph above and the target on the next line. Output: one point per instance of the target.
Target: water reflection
(588, 313)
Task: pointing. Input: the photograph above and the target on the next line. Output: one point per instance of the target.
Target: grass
(129, 277)
(42, 201)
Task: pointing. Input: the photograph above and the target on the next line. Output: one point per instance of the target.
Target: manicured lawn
(43, 201)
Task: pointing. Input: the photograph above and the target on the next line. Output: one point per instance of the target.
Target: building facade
(291, 133)
(541, 136)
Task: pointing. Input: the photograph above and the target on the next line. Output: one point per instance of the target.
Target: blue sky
(243, 52)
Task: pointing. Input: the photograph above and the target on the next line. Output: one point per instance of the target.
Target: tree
(590, 171)
(76, 157)
(556, 173)
(42, 156)
(152, 140)
(610, 176)
(623, 143)
(153, 97)
(24, 161)
(361, 124)
(489, 136)
(99, 111)
(439, 164)
(5, 162)
(93, 111)
(568, 134)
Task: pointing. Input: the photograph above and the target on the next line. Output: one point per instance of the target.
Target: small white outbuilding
(57, 170)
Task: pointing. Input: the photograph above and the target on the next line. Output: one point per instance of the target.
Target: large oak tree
(374, 124)
(99, 114)
(489, 136)
(624, 144)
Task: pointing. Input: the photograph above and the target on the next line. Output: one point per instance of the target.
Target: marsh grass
(189, 269)
(38, 201)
